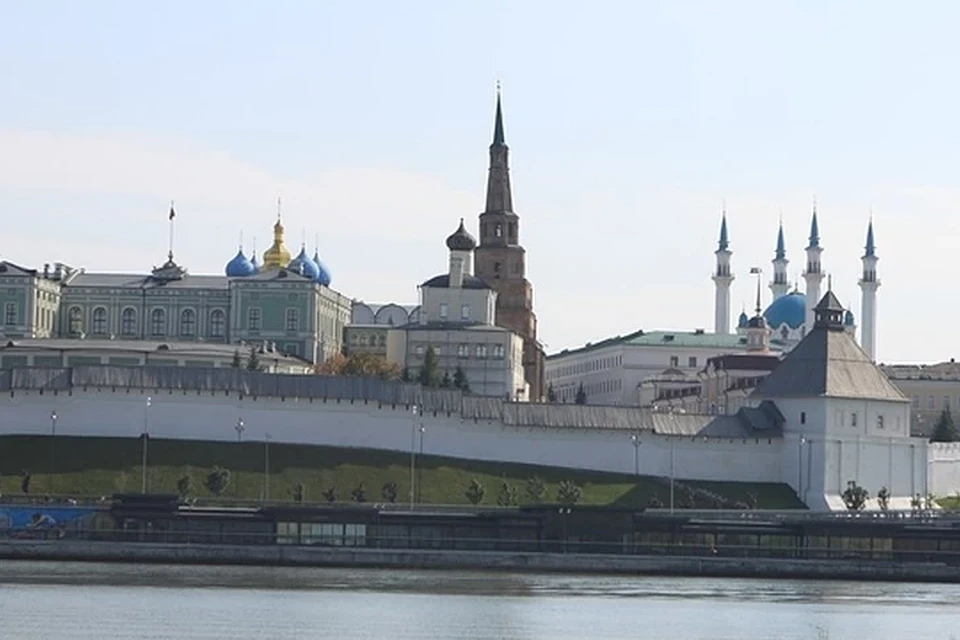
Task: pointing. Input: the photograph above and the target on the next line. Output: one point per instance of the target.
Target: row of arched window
(99, 324)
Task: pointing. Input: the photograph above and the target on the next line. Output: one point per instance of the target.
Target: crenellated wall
(212, 415)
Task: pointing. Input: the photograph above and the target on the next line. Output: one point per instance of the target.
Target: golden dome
(277, 256)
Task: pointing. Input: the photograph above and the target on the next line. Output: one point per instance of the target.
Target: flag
(173, 214)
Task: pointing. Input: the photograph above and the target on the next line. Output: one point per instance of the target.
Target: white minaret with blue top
(779, 285)
(722, 278)
(814, 272)
(869, 283)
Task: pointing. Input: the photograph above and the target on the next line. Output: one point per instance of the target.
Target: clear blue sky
(629, 124)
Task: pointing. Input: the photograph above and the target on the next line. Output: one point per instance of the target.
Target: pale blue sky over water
(629, 124)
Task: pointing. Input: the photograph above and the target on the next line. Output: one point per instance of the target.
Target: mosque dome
(304, 265)
(461, 240)
(789, 309)
(323, 272)
(848, 319)
(240, 266)
(743, 320)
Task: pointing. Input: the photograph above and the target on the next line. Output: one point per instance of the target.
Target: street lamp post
(239, 429)
(53, 451)
(802, 441)
(144, 437)
(413, 455)
(671, 475)
(420, 470)
(635, 439)
(266, 468)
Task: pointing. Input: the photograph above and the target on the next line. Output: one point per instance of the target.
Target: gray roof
(827, 362)
(160, 347)
(10, 269)
(141, 281)
(442, 281)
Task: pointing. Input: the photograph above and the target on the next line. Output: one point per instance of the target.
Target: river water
(86, 601)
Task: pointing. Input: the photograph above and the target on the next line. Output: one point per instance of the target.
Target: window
(498, 351)
(692, 361)
(931, 402)
(293, 320)
(419, 350)
(916, 402)
(363, 339)
(75, 319)
(253, 319)
(217, 323)
(946, 403)
(463, 351)
(674, 361)
(158, 322)
(128, 322)
(99, 321)
(880, 422)
(853, 419)
(188, 322)
(443, 310)
(481, 351)
(464, 312)
(498, 230)
(10, 313)
(803, 417)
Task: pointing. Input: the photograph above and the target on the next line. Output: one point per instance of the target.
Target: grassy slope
(101, 466)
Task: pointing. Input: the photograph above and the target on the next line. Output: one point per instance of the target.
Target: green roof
(642, 338)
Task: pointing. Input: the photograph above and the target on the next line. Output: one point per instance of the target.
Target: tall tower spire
(500, 259)
(499, 194)
(779, 285)
(722, 279)
(869, 283)
(814, 272)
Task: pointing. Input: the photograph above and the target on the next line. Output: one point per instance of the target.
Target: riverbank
(305, 556)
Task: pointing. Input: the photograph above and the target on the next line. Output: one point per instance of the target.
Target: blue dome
(790, 309)
(240, 266)
(303, 265)
(848, 319)
(324, 277)
(744, 319)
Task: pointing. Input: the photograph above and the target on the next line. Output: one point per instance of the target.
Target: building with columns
(285, 305)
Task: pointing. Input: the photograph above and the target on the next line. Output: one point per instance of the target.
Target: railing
(489, 544)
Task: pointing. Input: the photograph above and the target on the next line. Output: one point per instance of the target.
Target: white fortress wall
(213, 416)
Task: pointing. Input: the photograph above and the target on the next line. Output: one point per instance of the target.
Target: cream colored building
(931, 389)
(457, 317)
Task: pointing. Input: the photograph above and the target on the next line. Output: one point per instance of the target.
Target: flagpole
(173, 214)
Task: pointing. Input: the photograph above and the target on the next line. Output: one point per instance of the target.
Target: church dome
(461, 240)
(789, 309)
(743, 320)
(304, 265)
(323, 272)
(240, 266)
(848, 319)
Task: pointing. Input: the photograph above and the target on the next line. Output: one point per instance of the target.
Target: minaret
(722, 278)
(814, 273)
(779, 285)
(869, 285)
(500, 260)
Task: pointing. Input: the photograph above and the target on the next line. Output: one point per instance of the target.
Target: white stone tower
(722, 278)
(869, 283)
(779, 285)
(814, 272)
